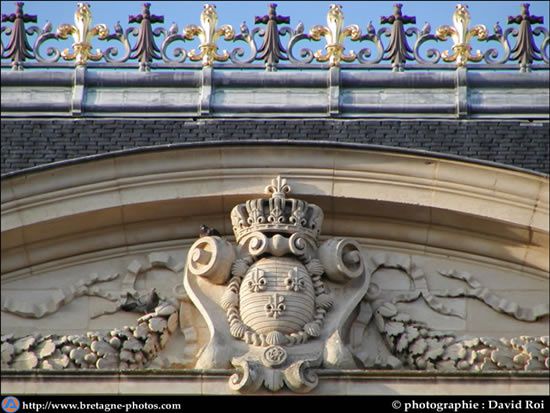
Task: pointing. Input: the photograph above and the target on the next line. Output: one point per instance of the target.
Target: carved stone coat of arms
(265, 301)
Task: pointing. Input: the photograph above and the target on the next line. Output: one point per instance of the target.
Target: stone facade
(310, 226)
(369, 305)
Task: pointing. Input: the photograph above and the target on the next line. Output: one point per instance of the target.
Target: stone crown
(277, 214)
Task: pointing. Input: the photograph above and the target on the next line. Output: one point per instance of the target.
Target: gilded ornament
(462, 35)
(335, 33)
(82, 32)
(208, 34)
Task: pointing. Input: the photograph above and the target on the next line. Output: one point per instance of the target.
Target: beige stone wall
(474, 317)
(415, 217)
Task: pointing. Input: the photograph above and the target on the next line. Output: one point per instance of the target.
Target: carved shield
(277, 295)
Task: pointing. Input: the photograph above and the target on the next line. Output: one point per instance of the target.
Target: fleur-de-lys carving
(145, 49)
(82, 33)
(271, 51)
(255, 211)
(258, 281)
(461, 35)
(335, 33)
(208, 35)
(298, 212)
(295, 281)
(278, 188)
(398, 50)
(525, 50)
(18, 48)
(275, 306)
(276, 206)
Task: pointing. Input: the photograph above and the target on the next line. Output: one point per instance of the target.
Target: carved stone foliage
(279, 304)
(273, 45)
(415, 345)
(275, 314)
(419, 347)
(123, 348)
(128, 347)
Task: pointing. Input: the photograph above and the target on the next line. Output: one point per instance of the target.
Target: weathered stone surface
(25, 361)
(45, 349)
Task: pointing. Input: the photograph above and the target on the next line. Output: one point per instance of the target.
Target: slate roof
(28, 143)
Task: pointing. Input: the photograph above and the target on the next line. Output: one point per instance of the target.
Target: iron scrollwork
(18, 48)
(145, 49)
(398, 50)
(525, 51)
(272, 51)
(272, 42)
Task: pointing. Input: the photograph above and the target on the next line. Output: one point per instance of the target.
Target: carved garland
(415, 345)
(121, 348)
(420, 347)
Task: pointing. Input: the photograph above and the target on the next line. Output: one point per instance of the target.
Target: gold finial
(82, 35)
(461, 35)
(335, 34)
(208, 35)
(278, 188)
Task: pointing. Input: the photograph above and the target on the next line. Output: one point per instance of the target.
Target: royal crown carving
(277, 215)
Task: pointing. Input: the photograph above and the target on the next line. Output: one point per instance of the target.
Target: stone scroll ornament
(266, 301)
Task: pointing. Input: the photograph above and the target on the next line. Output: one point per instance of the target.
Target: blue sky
(309, 12)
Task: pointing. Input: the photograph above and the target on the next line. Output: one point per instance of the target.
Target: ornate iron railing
(275, 43)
